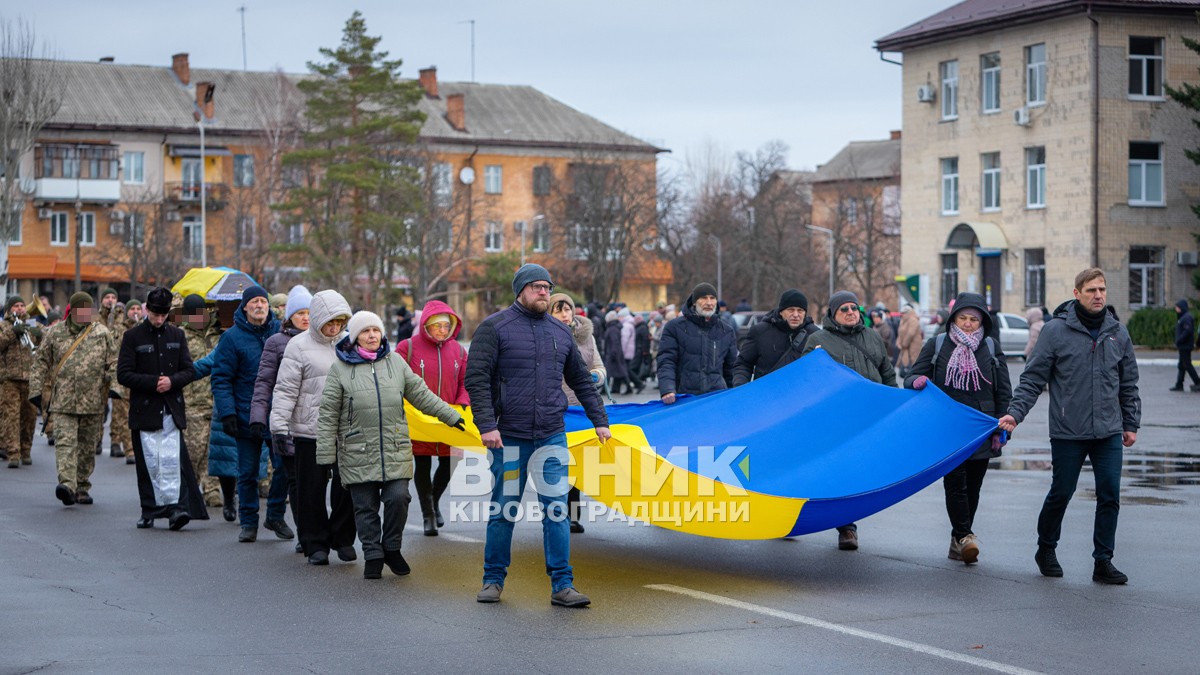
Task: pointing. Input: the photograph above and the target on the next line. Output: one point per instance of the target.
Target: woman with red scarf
(433, 352)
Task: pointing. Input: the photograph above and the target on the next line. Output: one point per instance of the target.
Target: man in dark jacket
(154, 363)
(1185, 339)
(235, 368)
(697, 351)
(769, 341)
(1088, 361)
(848, 341)
(518, 362)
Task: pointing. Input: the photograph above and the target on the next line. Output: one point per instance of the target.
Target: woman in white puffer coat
(296, 403)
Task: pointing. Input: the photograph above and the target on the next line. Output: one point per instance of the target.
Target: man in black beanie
(769, 341)
(686, 364)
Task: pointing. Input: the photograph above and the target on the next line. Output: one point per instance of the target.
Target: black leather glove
(229, 425)
(258, 429)
(19, 328)
(461, 424)
(278, 443)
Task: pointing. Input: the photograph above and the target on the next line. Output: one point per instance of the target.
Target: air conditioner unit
(116, 227)
(174, 216)
(44, 214)
(1021, 117)
(1187, 258)
(926, 93)
(116, 214)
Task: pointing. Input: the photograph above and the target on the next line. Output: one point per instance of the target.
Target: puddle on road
(1168, 472)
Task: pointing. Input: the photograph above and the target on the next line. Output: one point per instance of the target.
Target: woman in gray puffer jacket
(299, 385)
(362, 427)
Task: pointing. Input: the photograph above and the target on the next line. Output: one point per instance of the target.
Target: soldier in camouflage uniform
(80, 377)
(18, 417)
(203, 332)
(113, 316)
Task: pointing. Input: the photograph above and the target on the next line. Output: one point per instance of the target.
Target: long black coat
(766, 344)
(146, 354)
(614, 358)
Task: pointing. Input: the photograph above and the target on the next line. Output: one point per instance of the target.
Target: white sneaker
(969, 546)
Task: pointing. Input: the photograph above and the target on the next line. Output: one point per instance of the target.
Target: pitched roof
(120, 96)
(981, 16)
(862, 160)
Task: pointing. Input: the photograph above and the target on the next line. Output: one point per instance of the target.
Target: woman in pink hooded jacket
(433, 352)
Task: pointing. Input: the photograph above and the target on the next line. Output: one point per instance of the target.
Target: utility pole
(472, 22)
(242, 10)
(829, 233)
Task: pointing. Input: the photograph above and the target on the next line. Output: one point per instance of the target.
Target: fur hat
(158, 301)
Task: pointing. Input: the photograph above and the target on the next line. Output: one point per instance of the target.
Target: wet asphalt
(84, 591)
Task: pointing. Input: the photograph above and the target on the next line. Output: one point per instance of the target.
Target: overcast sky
(682, 75)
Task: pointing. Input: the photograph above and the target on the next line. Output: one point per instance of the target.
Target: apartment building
(1038, 140)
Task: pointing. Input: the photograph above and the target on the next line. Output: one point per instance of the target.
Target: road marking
(845, 630)
(446, 535)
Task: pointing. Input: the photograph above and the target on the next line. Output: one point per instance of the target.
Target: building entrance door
(990, 274)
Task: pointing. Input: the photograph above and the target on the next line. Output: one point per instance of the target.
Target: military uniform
(18, 417)
(77, 396)
(198, 403)
(120, 441)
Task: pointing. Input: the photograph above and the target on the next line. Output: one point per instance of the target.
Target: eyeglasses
(542, 288)
(440, 325)
(848, 309)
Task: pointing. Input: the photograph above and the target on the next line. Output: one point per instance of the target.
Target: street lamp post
(717, 239)
(828, 232)
(525, 227)
(203, 199)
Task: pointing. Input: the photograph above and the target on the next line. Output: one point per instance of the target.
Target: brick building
(1038, 140)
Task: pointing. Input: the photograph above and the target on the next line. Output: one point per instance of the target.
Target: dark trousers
(429, 492)
(1186, 368)
(249, 457)
(1067, 459)
(632, 366)
(962, 495)
(376, 537)
(316, 528)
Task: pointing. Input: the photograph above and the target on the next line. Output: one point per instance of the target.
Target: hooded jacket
(235, 364)
(300, 382)
(585, 340)
(836, 340)
(1093, 383)
(362, 426)
(908, 338)
(443, 366)
(766, 344)
(696, 355)
(1185, 328)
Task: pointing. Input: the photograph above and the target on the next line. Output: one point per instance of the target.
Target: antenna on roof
(242, 10)
(472, 22)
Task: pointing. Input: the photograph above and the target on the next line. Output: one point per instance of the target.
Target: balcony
(87, 190)
(70, 172)
(188, 194)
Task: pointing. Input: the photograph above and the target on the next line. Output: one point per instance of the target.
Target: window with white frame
(1035, 74)
(1145, 174)
(989, 82)
(243, 170)
(193, 237)
(949, 277)
(15, 239)
(493, 237)
(949, 75)
(59, 228)
(1145, 67)
(247, 232)
(990, 161)
(443, 185)
(135, 230)
(949, 185)
(295, 234)
(135, 168)
(493, 175)
(541, 236)
(1035, 177)
(87, 228)
(1035, 277)
(1145, 276)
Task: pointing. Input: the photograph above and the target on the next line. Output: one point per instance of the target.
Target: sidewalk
(1160, 357)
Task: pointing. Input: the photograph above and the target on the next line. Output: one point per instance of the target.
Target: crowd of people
(302, 401)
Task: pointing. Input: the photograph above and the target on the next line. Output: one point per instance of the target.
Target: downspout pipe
(1095, 137)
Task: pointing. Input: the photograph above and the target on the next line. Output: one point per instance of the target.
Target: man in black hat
(781, 333)
(154, 363)
(697, 351)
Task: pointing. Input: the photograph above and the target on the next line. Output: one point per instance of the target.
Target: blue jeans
(249, 460)
(1067, 459)
(551, 476)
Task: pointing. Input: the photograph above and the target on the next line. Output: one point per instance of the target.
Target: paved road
(83, 591)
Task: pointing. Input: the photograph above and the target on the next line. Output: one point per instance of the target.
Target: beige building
(1038, 140)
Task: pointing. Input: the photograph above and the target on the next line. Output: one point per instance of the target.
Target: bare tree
(151, 250)
(31, 92)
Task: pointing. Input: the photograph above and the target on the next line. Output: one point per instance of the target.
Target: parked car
(745, 320)
(1014, 333)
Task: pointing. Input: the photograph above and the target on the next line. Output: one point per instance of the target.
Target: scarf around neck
(963, 368)
(367, 354)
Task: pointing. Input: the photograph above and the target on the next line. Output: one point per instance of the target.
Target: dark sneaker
(396, 563)
(347, 554)
(848, 540)
(489, 593)
(64, 494)
(1047, 562)
(145, 523)
(569, 597)
(373, 569)
(1105, 573)
(318, 558)
(248, 534)
(280, 529)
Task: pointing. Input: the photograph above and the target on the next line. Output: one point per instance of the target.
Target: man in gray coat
(1088, 362)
